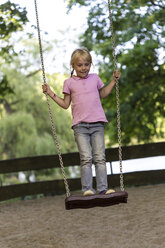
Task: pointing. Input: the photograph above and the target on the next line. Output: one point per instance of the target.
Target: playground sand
(44, 223)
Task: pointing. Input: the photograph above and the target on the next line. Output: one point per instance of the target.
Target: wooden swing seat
(79, 201)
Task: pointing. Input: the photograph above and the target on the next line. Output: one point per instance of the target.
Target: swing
(97, 200)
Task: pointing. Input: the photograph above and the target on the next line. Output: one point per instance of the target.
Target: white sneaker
(88, 192)
(109, 191)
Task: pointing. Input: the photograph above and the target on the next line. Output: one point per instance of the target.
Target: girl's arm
(62, 102)
(105, 91)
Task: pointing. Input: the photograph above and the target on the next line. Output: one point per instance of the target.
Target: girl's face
(82, 67)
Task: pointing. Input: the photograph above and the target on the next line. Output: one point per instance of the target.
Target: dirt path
(44, 223)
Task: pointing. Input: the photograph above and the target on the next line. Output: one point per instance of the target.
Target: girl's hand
(46, 89)
(116, 75)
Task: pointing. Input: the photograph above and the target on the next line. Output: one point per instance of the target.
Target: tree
(25, 126)
(28, 102)
(139, 37)
(21, 92)
(24, 122)
(12, 20)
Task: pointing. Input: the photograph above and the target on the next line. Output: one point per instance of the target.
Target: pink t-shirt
(86, 104)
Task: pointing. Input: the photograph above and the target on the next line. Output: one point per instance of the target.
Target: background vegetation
(25, 128)
(140, 42)
(24, 120)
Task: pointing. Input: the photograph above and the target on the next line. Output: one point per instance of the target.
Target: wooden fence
(72, 159)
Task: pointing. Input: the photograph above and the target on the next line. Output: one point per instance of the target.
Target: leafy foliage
(24, 120)
(25, 124)
(12, 19)
(29, 103)
(139, 38)
(4, 88)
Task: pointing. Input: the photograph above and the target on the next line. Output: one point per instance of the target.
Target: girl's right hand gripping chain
(46, 89)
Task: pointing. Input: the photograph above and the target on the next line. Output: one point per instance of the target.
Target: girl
(84, 91)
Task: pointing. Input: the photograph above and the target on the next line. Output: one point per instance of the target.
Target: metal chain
(49, 108)
(117, 98)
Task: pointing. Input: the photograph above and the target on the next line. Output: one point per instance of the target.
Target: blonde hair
(83, 52)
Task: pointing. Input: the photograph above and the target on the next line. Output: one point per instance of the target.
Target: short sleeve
(100, 84)
(66, 88)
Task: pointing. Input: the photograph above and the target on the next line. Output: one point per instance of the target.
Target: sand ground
(44, 223)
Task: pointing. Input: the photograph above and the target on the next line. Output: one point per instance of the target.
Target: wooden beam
(71, 159)
(38, 162)
(56, 187)
(137, 151)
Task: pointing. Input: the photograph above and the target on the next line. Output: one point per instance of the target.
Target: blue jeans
(90, 141)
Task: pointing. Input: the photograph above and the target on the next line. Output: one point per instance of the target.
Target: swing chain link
(117, 98)
(49, 107)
